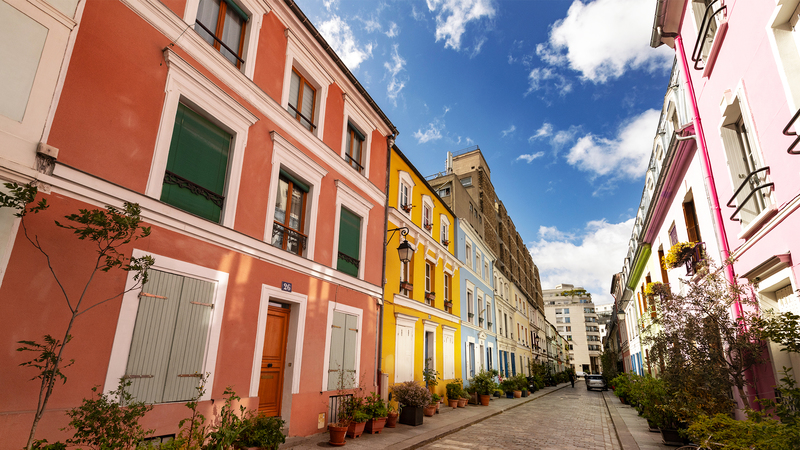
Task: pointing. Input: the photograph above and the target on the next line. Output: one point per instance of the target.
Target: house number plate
(286, 286)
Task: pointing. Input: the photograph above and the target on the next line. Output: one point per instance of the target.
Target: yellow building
(421, 308)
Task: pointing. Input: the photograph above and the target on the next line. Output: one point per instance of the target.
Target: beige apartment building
(570, 309)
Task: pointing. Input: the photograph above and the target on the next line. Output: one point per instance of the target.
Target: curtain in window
(169, 338)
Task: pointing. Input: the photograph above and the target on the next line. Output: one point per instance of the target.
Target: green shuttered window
(170, 338)
(349, 243)
(342, 362)
(197, 165)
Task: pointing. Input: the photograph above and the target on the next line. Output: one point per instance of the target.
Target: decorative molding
(406, 302)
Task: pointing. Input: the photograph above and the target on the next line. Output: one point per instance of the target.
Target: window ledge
(756, 224)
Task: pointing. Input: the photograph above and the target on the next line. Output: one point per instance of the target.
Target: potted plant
(453, 391)
(463, 398)
(473, 394)
(430, 375)
(406, 208)
(413, 397)
(508, 385)
(484, 385)
(522, 385)
(445, 242)
(430, 296)
(262, 432)
(448, 304)
(344, 414)
(428, 226)
(470, 315)
(358, 416)
(391, 419)
(405, 285)
(375, 407)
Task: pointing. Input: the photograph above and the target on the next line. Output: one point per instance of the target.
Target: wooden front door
(273, 361)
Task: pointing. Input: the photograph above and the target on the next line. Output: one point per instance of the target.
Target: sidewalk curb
(625, 438)
(423, 440)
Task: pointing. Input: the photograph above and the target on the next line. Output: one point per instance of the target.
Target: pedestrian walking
(572, 378)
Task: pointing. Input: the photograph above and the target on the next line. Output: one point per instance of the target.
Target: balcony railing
(786, 132)
(353, 163)
(211, 34)
(194, 188)
(305, 119)
(705, 27)
(753, 190)
(288, 239)
(696, 260)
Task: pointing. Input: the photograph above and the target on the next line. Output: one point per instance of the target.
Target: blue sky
(562, 97)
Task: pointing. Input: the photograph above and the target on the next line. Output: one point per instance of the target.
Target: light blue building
(478, 324)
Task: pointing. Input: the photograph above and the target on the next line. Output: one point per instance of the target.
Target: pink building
(743, 82)
(260, 163)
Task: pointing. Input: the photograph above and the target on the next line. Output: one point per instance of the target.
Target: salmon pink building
(259, 162)
(739, 61)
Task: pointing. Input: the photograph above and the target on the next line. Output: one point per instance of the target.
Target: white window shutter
(336, 360)
(350, 340)
(738, 170)
(294, 92)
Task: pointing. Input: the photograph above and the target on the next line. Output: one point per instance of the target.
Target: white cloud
(510, 130)
(372, 25)
(341, 38)
(603, 38)
(476, 49)
(529, 158)
(545, 131)
(624, 156)
(394, 30)
(330, 4)
(396, 82)
(453, 15)
(538, 78)
(433, 133)
(588, 258)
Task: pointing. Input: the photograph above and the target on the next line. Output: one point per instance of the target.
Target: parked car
(595, 381)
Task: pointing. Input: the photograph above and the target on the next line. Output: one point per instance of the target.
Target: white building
(571, 311)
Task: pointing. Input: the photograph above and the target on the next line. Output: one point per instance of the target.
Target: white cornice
(406, 302)
(176, 30)
(86, 188)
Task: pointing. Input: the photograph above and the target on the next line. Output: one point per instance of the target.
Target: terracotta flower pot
(375, 426)
(462, 402)
(517, 394)
(356, 429)
(337, 435)
(391, 421)
(430, 410)
(485, 399)
(453, 403)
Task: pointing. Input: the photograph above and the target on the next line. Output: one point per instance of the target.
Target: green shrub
(757, 432)
(375, 406)
(261, 431)
(453, 389)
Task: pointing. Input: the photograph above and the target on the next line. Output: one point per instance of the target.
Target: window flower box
(448, 304)
(470, 315)
(480, 320)
(406, 208)
(445, 242)
(428, 226)
(430, 296)
(489, 324)
(405, 285)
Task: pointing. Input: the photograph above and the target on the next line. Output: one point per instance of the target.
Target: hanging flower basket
(679, 254)
(445, 242)
(406, 208)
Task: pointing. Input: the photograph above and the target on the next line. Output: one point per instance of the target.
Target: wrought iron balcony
(705, 28)
(786, 132)
(754, 188)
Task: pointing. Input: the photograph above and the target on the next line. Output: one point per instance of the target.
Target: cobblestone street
(566, 419)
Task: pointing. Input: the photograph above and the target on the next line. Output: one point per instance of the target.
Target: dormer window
(302, 97)
(222, 24)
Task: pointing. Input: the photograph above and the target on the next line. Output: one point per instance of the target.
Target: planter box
(356, 429)
(510, 394)
(672, 437)
(406, 286)
(391, 421)
(375, 426)
(430, 296)
(411, 415)
(448, 304)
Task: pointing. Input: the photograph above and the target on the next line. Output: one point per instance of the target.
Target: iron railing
(697, 259)
(753, 190)
(222, 44)
(334, 403)
(353, 163)
(786, 132)
(297, 112)
(289, 237)
(194, 188)
(697, 52)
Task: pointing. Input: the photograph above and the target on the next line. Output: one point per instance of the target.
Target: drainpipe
(379, 351)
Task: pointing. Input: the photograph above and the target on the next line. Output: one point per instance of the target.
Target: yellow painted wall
(393, 274)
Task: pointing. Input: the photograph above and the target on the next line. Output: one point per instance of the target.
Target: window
(349, 243)
(470, 307)
(446, 286)
(485, 269)
(354, 148)
(673, 235)
(566, 320)
(427, 221)
(477, 265)
(706, 19)
(448, 352)
(405, 192)
(748, 174)
(302, 100)
(444, 228)
(566, 310)
(488, 313)
(169, 337)
(444, 192)
(290, 206)
(468, 255)
(429, 282)
(404, 196)
(222, 24)
(406, 275)
(343, 346)
(197, 166)
(467, 181)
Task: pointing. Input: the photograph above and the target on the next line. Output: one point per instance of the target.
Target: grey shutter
(294, 92)
(350, 349)
(152, 336)
(336, 360)
(308, 101)
(738, 170)
(190, 339)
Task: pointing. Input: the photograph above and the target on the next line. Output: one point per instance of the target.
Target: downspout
(708, 174)
(379, 351)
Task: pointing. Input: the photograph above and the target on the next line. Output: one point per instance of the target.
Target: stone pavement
(447, 422)
(632, 428)
(568, 419)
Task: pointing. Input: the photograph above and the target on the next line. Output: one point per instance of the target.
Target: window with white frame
(784, 37)
(405, 192)
(427, 214)
(343, 351)
(222, 23)
(749, 176)
(168, 331)
(302, 100)
(468, 254)
(357, 140)
(481, 312)
(444, 229)
(351, 226)
(199, 151)
(708, 16)
(477, 267)
(485, 269)
(429, 282)
(470, 306)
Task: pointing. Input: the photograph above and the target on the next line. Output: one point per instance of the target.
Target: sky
(562, 97)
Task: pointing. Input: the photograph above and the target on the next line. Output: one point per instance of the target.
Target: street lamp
(621, 315)
(405, 250)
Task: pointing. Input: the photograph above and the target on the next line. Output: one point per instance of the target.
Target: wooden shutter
(198, 153)
(690, 216)
(308, 104)
(349, 242)
(404, 357)
(170, 337)
(448, 354)
(350, 349)
(513, 364)
(738, 171)
(294, 92)
(336, 360)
